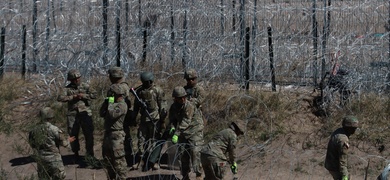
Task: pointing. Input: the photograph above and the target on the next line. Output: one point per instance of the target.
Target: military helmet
(240, 124)
(73, 74)
(350, 121)
(46, 113)
(116, 72)
(117, 89)
(179, 91)
(190, 73)
(147, 76)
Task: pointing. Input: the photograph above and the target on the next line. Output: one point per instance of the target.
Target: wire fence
(168, 36)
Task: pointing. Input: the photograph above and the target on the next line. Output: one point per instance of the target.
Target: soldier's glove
(111, 99)
(171, 131)
(175, 138)
(344, 178)
(233, 167)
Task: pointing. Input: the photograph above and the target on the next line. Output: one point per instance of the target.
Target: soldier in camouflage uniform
(186, 125)
(151, 128)
(195, 93)
(221, 150)
(116, 76)
(385, 174)
(45, 140)
(338, 147)
(113, 148)
(78, 95)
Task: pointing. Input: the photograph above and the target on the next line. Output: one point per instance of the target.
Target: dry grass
(270, 115)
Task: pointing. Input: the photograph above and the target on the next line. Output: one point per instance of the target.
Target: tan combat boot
(156, 166)
(199, 178)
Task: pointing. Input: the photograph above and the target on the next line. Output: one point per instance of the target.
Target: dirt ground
(297, 154)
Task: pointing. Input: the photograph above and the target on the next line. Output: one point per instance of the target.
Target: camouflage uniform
(79, 113)
(150, 130)
(385, 175)
(338, 80)
(213, 154)
(116, 76)
(45, 139)
(336, 155)
(338, 147)
(195, 93)
(114, 136)
(188, 124)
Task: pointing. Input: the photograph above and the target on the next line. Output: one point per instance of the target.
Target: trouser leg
(88, 128)
(73, 130)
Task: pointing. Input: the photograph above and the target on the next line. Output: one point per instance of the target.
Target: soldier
(152, 106)
(78, 95)
(220, 150)
(113, 148)
(186, 125)
(116, 76)
(385, 175)
(45, 140)
(338, 80)
(195, 93)
(338, 147)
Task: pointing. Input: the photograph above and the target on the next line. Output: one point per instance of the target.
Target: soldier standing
(195, 93)
(45, 140)
(338, 147)
(221, 150)
(186, 125)
(78, 95)
(116, 76)
(113, 149)
(152, 106)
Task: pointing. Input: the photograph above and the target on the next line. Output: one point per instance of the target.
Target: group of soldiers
(184, 128)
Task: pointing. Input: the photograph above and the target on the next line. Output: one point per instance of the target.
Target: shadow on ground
(155, 177)
(21, 161)
(83, 162)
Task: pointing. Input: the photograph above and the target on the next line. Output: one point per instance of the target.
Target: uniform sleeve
(344, 146)
(161, 100)
(90, 93)
(136, 109)
(185, 122)
(116, 110)
(231, 149)
(64, 96)
(200, 96)
(60, 137)
(172, 120)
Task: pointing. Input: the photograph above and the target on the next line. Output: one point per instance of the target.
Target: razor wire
(358, 29)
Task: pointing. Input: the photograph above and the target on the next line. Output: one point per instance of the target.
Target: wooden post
(315, 43)
(104, 32)
(271, 58)
(34, 35)
(118, 33)
(47, 34)
(172, 33)
(24, 32)
(222, 19)
(246, 57)
(242, 41)
(185, 33)
(2, 49)
(254, 34)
